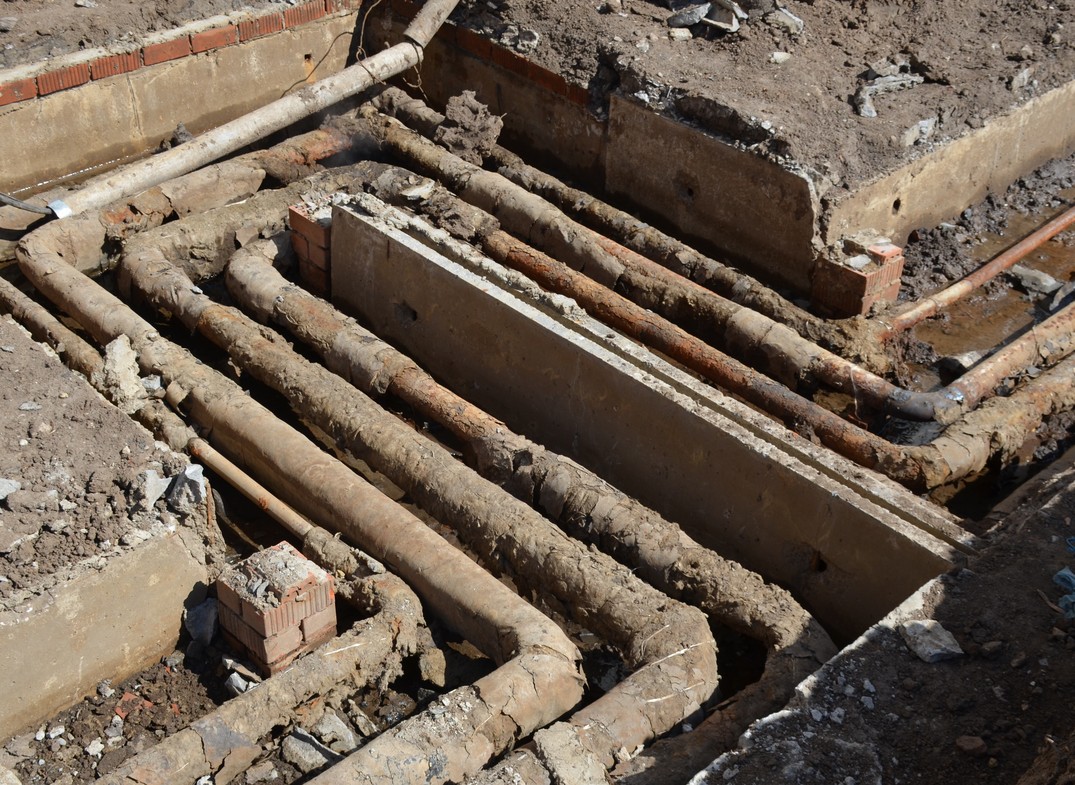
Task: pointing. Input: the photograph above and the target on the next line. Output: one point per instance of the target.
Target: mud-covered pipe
(279, 114)
(932, 304)
(84, 240)
(538, 679)
(669, 643)
(777, 349)
(223, 743)
(636, 234)
(585, 505)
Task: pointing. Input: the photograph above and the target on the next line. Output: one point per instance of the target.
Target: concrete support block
(90, 630)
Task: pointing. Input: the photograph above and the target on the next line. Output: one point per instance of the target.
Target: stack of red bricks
(853, 286)
(311, 231)
(276, 605)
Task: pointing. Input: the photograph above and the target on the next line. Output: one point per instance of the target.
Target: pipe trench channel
(567, 539)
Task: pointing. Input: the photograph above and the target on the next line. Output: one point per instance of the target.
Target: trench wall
(97, 106)
(733, 480)
(104, 624)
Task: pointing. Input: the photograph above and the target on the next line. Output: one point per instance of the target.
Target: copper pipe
(931, 305)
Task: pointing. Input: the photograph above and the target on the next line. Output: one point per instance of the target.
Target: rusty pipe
(934, 303)
(538, 679)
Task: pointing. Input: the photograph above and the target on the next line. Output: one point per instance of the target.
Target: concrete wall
(105, 624)
(735, 481)
(750, 208)
(120, 116)
(940, 185)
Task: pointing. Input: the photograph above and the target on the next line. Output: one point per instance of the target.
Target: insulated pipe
(932, 304)
(274, 116)
(84, 240)
(224, 742)
(584, 504)
(780, 351)
(633, 233)
(669, 643)
(538, 680)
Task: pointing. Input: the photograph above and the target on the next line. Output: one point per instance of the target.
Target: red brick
(318, 257)
(113, 65)
(63, 78)
(474, 43)
(232, 623)
(214, 39)
(301, 245)
(166, 50)
(276, 647)
(272, 621)
(304, 14)
(314, 626)
(319, 638)
(262, 25)
(578, 94)
(884, 253)
(19, 90)
(508, 59)
(226, 596)
(317, 231)
(314, 280)
(545, 78)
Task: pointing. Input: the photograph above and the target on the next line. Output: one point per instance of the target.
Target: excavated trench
(594, 501)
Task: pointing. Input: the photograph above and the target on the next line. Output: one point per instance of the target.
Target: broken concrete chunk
(306, 753)
(785, 20)
(119, 377)
(334, 732)
(690, 15)
(149, 487)
(883, 84)
(188, 489)
(236, 684)
(929, 640)
(919, 132)
(1034, 281)
(8, 487)
(201, 621)
(725, 15)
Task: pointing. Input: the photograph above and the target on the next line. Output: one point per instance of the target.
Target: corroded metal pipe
(934, 303)
(538, 679)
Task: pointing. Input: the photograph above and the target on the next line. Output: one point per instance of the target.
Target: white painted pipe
(249, 128)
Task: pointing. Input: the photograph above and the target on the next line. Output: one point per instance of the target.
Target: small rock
(201, 621)
(992, 648)
(785, 20)
(56, 730)
(104, 689)
(306, 753)
(1019, 660)
(236, 684)
(779, 58)
(972, 745)
(188, 489)
(29, 406)
(95, 748)
(837, 715)
(334, 732)
(7, 24)
(264, 771)
(85, 4)
(8, 487)
(817, 715)
(1020, 80)
(929, 640)
(114, 729)
(1034, 281)
(56, 526)
(680, 34)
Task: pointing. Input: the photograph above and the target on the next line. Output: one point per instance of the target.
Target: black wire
(33, 208)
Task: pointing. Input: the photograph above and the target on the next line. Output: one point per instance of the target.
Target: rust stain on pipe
(934, 303)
